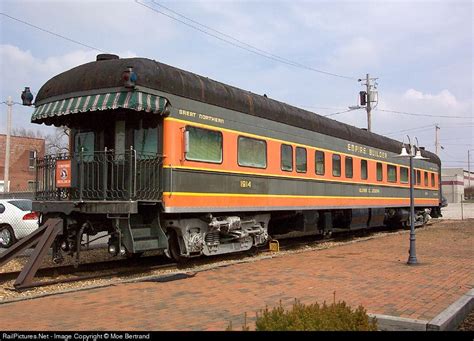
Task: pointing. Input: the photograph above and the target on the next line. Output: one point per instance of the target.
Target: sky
(421, 53)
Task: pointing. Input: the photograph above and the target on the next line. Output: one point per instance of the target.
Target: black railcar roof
(155, 75)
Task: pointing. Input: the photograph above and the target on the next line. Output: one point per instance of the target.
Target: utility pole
(368, 108)
(6, 176)
(368, 97)
(437, 138)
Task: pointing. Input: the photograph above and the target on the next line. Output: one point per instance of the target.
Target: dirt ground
(468, 323)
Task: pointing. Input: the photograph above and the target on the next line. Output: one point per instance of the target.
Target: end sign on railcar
(63, 173)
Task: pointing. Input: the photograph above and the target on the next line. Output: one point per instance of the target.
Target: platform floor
(372, 273)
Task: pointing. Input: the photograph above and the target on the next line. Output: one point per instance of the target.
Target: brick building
(22, 171)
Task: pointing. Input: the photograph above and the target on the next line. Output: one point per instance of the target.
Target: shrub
(337, 316)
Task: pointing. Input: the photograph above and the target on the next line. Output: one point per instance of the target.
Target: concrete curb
(448, 319)
(452, 316)
(394, 323)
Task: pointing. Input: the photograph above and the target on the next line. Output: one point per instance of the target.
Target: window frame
(296, 159)
(393, 180)
(211, 130)
(377, 171)
(281, 157)
(433, 180)
(408, 175)
(351, 160)
(418, 177)
(31, 160)
(254, 139)
(366, 163)
(426, 181)
(340, 165)
(316, 162)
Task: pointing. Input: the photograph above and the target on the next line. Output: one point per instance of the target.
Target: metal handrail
(102, 175)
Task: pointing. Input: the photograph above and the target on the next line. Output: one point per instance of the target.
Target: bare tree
(58, 141)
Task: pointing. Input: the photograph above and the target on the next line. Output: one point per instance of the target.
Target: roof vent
(106, 56)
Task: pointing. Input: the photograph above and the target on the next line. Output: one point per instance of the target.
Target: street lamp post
(414, 154)
(412, 254)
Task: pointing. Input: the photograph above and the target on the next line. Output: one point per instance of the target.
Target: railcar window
(418, 177)
(85, 141)
(379, 172)
(252, 152)
(204, 145)
(348, 164)
(336, 165)
(145, 140)
(301, 160)
(426, 178)
(363, 170)
(391, 173)
(403, 175)
(319, 162)
(433, 184)
(286, 157)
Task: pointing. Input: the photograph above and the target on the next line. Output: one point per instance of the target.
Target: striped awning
(136, 100)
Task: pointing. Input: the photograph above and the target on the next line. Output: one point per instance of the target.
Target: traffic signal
(363, 97)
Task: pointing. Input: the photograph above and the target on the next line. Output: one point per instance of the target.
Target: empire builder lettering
(366, 151)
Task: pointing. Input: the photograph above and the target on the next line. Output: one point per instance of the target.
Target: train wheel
(174, 248)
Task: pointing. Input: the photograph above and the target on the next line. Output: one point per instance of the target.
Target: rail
(100, 175)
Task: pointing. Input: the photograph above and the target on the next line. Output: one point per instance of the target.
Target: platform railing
(101, 175)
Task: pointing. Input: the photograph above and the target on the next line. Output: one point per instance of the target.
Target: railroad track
(128, 267)
(88, 271)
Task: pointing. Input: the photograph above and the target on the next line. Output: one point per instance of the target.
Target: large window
(252, 152)
(433, 182)
(319, 159)
(391, 173)
(349, 168)
(286, 157)
(363, 170)
(418, 177)
(379, 172)
(426, 178)
(336, 165)
(301, 161)
(84, 141)
(145, 140)
(403, 175)
(204, 145)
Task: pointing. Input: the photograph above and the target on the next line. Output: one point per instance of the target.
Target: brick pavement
(372, 273)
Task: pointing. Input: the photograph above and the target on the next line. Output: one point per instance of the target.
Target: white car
(17, 220)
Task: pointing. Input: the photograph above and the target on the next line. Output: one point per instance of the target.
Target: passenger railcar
(163, 159)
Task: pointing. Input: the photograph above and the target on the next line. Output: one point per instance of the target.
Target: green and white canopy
(136, 100)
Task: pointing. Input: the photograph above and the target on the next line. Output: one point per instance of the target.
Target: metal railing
(101, 175)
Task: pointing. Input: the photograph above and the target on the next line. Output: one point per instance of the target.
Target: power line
(240, 44)
(324, 108)
(340, 112)
(425, 115)
(411, 129)
(52, 33)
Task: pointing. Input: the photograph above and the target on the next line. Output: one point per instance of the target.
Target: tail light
(31, 216)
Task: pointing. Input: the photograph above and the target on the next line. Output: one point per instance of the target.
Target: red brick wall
(20, 171)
